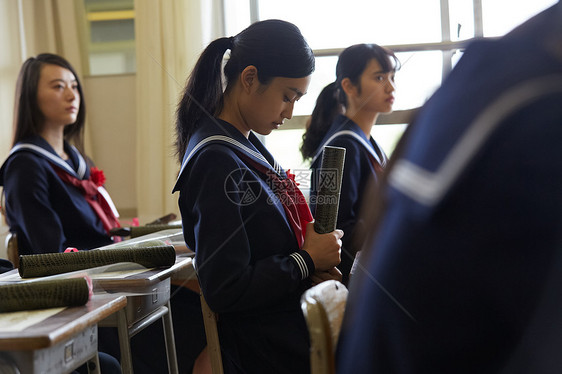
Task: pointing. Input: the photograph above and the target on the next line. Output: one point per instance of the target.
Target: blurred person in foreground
(462, 273)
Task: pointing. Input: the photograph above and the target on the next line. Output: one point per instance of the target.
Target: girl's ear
(348, 87)
(249, 78)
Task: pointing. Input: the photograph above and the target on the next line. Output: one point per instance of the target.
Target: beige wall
(111, 122)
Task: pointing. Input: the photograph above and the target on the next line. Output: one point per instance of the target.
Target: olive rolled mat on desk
(150, 254)
(15, 297)
(329, 186)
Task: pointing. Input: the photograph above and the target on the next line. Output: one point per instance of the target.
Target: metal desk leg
(124, 344)
(170, 343)
(93, 364)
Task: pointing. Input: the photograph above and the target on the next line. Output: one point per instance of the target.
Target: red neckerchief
(96, 200)
(293, 201)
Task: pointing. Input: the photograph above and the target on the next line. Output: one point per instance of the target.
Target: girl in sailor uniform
(344, 115)
(53, 198)
(256, 249)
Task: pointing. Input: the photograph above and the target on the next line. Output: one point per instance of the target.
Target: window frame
(447, 46)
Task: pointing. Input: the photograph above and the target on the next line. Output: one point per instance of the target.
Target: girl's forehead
(51, 72)
(298, 85)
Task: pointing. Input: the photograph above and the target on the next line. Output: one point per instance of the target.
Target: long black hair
(332, 100)
(28, 118)
(276, 48)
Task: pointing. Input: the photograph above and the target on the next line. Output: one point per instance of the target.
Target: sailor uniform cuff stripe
(301, 264)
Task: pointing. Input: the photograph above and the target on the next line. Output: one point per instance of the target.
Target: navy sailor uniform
(47, 214)
(464, 273)
(364, 163)
(250, 267)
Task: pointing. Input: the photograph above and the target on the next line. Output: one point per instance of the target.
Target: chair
(323, 306)
(211, 332)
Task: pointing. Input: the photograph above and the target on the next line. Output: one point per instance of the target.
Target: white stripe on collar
(367, 146)
(427, 187)
(229, 140)
(56, 159)
(82, 167)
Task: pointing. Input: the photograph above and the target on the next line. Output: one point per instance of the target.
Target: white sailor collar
(351, 129)
(221, 132)
(46, 151)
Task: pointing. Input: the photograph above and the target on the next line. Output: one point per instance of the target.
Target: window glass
(461, 19)
(236, 16)
(387, 136)
(497, 23)
(284, 145)
(340, 24)
(324, 74)
(417, 79)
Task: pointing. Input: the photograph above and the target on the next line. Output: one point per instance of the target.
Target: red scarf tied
(89, 188)
(293, 201)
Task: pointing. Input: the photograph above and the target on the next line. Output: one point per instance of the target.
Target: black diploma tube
(328, 179)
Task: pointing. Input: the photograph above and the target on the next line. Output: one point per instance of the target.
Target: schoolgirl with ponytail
(344, 115)
(255, 247)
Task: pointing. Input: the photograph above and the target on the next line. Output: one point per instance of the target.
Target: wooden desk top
(62, 325)
(145, 278)
(184, 261)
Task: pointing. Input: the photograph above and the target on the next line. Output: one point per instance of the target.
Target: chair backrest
(12, 249)
(323, 306)
(211, 332)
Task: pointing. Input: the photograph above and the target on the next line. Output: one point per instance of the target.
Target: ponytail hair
(333, 100)
(326, 109)
(276, 48)
(203, 92)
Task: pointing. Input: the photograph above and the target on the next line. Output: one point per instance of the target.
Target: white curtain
(27, 28)
(169, 35)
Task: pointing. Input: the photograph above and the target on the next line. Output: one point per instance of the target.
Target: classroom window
(428, 37)
(110, 36)
(497, 22)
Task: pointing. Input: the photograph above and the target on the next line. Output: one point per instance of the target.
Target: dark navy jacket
(364, 162)
(250, 268)
(465, 273)
(47, 214)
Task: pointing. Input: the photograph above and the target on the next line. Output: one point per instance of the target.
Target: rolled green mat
(137, 231)
(44, 294)
(329, 186)
(149, 254)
